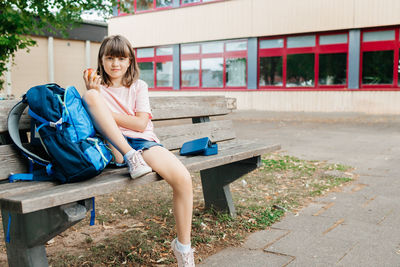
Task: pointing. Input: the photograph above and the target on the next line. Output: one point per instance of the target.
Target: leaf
(107, 227)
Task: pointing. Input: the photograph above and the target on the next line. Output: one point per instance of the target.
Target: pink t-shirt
(129, 101)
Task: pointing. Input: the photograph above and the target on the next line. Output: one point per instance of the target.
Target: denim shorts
(137, 144)
(141, 144)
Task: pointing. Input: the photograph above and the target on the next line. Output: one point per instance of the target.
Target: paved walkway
(356, 227)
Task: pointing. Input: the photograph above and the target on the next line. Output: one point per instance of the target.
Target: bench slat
(117, 179)
(163, 108)
(9, 189)
(172, 137)
(11, 161)
(188, 107)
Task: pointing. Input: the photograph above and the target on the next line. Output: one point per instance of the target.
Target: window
(236, 46)
(333, 60)
(301, 41)
(236, 72)
(236, 63)
(156, 67)
(164, 74)
(145, 52)
(190, 49)
(221, 64)
(190, 73)
(147, 73)
(183, 2)
(128, 5)
(150, 5)
(212, 47)
(300, 70)
(377, 67)
(271, 62)
(306, 61)
(212, 71)
(195, 2)
(379, 58)
(300, 62)
(270, 71)
(332, 69)
(145, 5)
(163, 3)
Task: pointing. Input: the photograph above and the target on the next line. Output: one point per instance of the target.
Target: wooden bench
(38, 211)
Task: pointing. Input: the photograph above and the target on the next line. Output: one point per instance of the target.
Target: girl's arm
(136, 123)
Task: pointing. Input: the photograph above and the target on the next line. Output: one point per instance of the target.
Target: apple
(90, 71)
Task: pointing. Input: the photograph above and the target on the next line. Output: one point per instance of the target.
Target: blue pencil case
(202, 146)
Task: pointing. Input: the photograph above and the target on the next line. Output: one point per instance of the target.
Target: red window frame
(316, 50)
(155, 8)
(156, 59)
(389, 45)
(197, 3)
(224, 55)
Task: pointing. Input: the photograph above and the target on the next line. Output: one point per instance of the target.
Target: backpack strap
(57, 124)
(93, 213)
(13, 128)
(20, 177)
(8, 228)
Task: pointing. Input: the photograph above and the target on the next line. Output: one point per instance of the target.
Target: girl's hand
(92, 80)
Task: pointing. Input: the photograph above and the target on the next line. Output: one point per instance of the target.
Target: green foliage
(20, 19)
(339, 167)
(268, 216)
(289, 163)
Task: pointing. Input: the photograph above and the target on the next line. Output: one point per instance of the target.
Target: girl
(119, 105)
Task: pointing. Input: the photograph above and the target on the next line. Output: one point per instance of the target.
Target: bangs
(116, 48)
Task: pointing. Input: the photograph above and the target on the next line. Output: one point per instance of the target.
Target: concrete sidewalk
(356, 227)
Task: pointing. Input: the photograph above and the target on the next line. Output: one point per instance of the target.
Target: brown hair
(118, 46)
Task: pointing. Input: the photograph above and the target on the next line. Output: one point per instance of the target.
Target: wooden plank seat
(41, 210)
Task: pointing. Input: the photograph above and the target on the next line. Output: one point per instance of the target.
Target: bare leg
(118, 157)
(175, 173)
(104, 122)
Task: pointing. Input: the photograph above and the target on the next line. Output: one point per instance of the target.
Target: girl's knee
(182, 181)
(91, 97)
(186, 180)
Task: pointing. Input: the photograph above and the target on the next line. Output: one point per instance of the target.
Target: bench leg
(215, 182)
(29, 232)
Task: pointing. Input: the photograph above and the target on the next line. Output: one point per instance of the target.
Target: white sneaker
(184, 259)
(137, 166)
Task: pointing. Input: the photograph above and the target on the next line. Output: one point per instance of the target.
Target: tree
(19, 19)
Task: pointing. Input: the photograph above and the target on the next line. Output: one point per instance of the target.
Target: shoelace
(134, 161)
(187, 257)
(140, 159)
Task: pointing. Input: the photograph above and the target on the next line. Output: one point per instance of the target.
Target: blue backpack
(63, 137)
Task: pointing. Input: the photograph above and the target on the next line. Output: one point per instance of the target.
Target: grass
(332, 182)
(135, 227)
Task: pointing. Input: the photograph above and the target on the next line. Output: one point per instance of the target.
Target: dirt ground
(143, 216)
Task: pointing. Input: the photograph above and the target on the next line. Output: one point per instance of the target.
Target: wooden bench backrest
(163, 109)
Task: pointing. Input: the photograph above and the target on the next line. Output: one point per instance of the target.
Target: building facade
(288, 55)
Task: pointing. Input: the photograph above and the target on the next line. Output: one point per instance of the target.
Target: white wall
(32, 68)
(369, 102)
(252, 18)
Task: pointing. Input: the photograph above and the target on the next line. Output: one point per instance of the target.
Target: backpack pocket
(96, 152)
(70, 164)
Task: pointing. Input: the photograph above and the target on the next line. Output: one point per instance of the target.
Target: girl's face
(116, 67)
